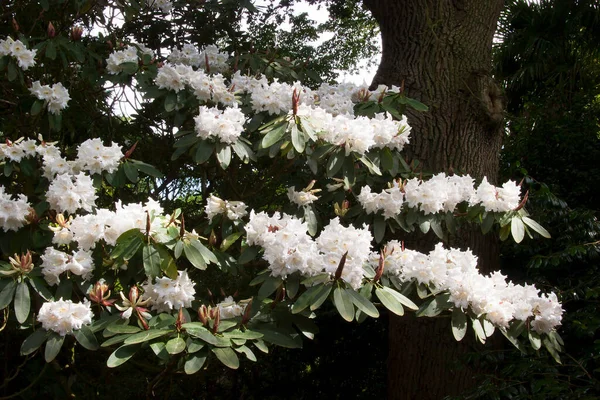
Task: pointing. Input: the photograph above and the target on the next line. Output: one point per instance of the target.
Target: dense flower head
(94, 157)
(71, 192)
(233, 210)
(440, 193)
(55, 97)
(224, 125)
(17, 49)
(64, 316)
(288, 248)
(55, 262)
(116, 58)
(13, 212)
(228, 308)
(456, 271)
(301, 198)
(168, 294)
(188, 55)
(217, 61)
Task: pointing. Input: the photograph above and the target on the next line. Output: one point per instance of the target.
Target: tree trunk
(440, 51)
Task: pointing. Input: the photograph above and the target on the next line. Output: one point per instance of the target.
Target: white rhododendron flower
(64, 316)
(71, 192)
(13, 212)
(234, 210)
(94, 157)
(17, 49)
(55, 97)
(455, 271)
(224, 125)
(55, 262)
(228, 308)
(170, 294)
(115, 59)
(301, 198)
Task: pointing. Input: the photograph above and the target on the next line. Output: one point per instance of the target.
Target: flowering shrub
(340, 246)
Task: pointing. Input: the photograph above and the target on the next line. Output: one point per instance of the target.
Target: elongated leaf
(343, 303)
(22, 302)
(305, 299)
(320, 297)
(279, 338)
(298, 140)
(227, 356)
(194, 256)
(122, 328)
(535, 340)
(536, 227)
(86, 338)
(128, 244)
(208, 255)
(224, 155)
(270, 285)
(362, 303)
(7, 294)
(33, 342)
(147, 335)
(517, 229)
(53, 346)
(379, 226)
(246, 350)
(478, 329)
(459, 324)
(335, 163)
(39, 285)
(195, 362)
(204, 150)
(152, 261)
(405, 301)
(274, 135)
(197, 330)
(121, 355)
(229, 240)
(389, 301)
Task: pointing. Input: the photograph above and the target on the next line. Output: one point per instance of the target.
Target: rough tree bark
(440, 51)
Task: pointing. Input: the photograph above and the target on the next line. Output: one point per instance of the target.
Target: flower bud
(15, 25)
(22, 263)
(203, 314)
(51, 31)
(76, 33)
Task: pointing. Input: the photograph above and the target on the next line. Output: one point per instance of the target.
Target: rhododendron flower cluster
(128, 55)
(168, 294)
(17, 49)
(456, 271)
(233, 210)
(13, 212)
(441, 193)
(64, 316)
(55, 262)
(71, 192)
(288, 247)
(55, 97)
(94, 157)
(228, 308)
(301, 198)
(224, 125)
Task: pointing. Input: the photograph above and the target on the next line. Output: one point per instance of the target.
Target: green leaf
(86, 338)
(128, 244)
(227, 356)
(279, 338)
(131, 172)
(152, 261)
(22, 302)
(148, 335)
(362, 303)
(459, 324)
(417, 105)
(487, 223)
(175, 345)
(122, 327)
(535, 340)
(320, 297)
(305, 299)
(7, 294)
(343, 303)
(274, 135)
(194, 256)
(53, 346)
(261, 346)
(379, 226)
(536, 227)
(401, 298)
(311, 220)
(478, 329)
(335, 163)
(121, 355)
(247, 334)
(195, 362)
(148, 169)
(204, 150)
(435, 306)
(424, 226)
(229, 240)
(246, 350)
(36, 107)
(170, 101)
(298, 139)
(33, 342)
(436, 227)
(552, 350)
(50, 50)
(196, 329)
(517, 229)
(223, 155)
(389, 301)
(39, 285)
(12, 71)
(270, 285)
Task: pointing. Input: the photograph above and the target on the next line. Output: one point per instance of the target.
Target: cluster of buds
(135, 303)
(100, 294)
(342, 208)
(76, 33)
(210, 317)
(21, 264)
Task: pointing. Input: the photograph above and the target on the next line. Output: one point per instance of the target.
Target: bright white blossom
(64, 316)
(234, 210)
(17, 49)
(225, 126)
(94, 157)
(55, 262)
(228, 308)
(13, 212)
(168, 294)
(71, 192)
(301, 198)
(55, 97)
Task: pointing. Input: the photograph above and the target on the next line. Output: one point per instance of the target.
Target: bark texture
(440, 51)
